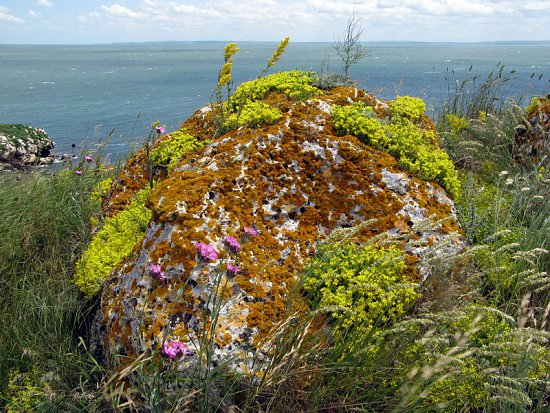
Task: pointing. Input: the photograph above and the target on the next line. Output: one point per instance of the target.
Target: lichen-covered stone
(532, 139)
(275, 191)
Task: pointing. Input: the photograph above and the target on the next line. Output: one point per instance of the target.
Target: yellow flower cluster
(400, 135)
(112, 243)
(167, 153)
(363, 284)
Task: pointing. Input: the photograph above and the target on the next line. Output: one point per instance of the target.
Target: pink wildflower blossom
(156, 272)
(160, 129)
(233, 243)
(78, 172)
(174, 349)
(233, 269)
(206, 252)
(88, 158)
(250, 231)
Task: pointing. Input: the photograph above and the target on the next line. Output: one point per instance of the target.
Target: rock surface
(22, 146)
(532, 139)
(276, 190)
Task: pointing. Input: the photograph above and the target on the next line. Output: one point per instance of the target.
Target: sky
(105, 21)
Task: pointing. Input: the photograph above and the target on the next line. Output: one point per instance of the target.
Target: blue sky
(105, 21)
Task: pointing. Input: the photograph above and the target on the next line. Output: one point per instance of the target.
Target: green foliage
(45, 227)
(167, 153)
(459, 124)
(296, 84)
(254, 114)
(101, 190)
(26, 391)
(407, 107)
(471, 358)
(364, 280)
(227, 114)
(22, 132)
(113, 242)
(413, 147)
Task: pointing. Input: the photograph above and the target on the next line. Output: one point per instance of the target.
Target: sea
(106, 96)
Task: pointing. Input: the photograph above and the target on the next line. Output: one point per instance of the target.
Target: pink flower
(156, 272)
(78, 172)
(233, 243)
(160, 129)
(206, 252)
(88, 158)
(174, 349)
(250, 231)
(233, 269)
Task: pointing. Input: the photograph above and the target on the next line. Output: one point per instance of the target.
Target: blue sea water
(81, 93)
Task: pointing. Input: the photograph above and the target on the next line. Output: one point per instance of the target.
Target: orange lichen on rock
(277, 189)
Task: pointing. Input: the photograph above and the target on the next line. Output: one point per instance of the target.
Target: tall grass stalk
(44, 227)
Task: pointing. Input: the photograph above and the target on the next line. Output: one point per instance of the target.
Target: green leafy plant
(167, 153)
(401, 136)
(112, 243)
(365, 284)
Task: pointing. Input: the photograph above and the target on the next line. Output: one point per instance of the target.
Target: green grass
(44, 227)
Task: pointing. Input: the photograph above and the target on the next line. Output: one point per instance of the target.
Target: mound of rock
(532, 139)
(22, 146)
(234, 221)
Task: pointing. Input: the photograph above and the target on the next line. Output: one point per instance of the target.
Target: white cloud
(34, 13)
(89, 16)
(6, 16)
(116, 10)
(44, 3)
(314, 20)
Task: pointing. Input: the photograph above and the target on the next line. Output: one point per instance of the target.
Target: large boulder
(236, 219)
(22, 146)
(532, 137)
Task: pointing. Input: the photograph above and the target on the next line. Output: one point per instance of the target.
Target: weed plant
(44, 226)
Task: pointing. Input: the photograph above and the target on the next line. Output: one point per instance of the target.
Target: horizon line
(273, 41)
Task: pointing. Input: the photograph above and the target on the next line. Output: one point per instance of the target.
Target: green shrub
(364, 281)
(22, 132)
(254, 114)
(25, 391)
(113, 242)
(169, 151)
(296, 84)
(407, 107)
(414, 148)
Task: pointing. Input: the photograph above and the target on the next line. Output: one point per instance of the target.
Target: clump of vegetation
(112, 243)
(245, 106)
(45, 227)
(254, 114)
(22, 132)
(363, 284)
(296, 84)
(401, 135)
(167, 153)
